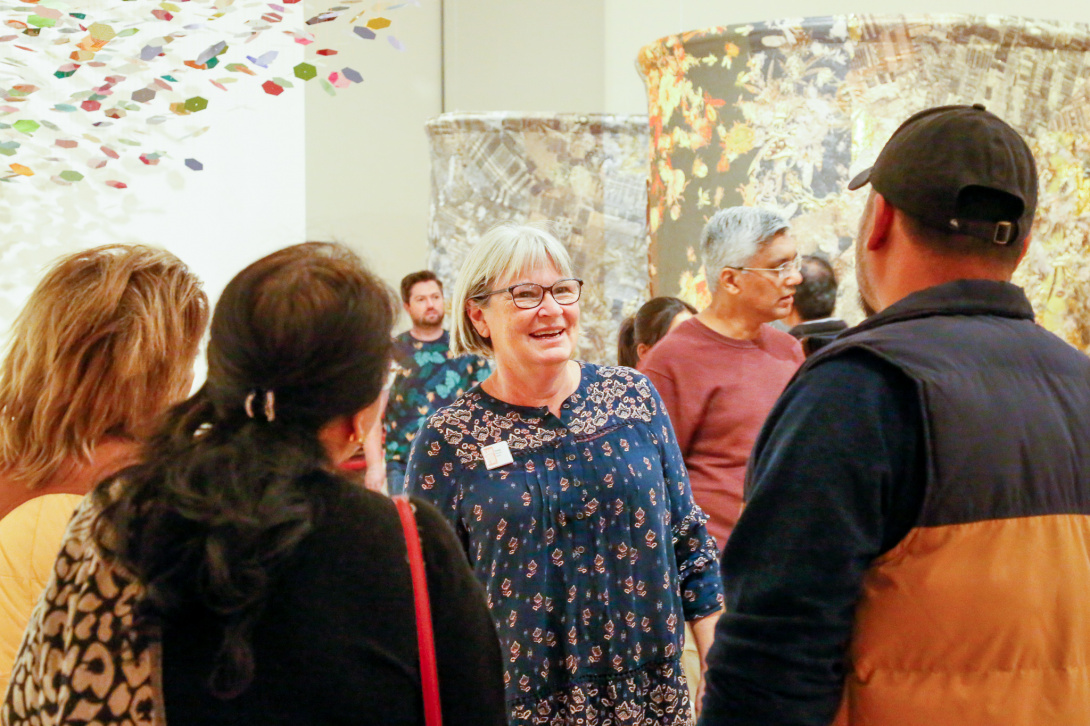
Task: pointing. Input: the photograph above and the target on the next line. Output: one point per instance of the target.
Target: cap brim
(861, 179)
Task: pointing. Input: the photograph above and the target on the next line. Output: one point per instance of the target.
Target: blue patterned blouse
(589, 545)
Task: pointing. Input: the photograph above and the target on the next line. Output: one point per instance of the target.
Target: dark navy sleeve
(694, 547)
(836, 479)
(466, 646)
(432, 471)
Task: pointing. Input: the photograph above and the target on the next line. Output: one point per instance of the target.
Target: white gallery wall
(522, 55)
(367, 161)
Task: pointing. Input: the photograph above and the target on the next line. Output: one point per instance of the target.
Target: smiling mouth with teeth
(552, 334)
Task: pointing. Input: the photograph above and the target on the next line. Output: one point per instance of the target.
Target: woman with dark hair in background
(232, 576)
(626, 343)
(655, 318)
(104, 346)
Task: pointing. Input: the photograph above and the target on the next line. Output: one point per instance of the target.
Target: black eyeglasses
(528, 295)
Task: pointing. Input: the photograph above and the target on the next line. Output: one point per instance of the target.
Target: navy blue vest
(1006, 404)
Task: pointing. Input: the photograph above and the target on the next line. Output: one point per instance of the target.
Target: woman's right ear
(641, 350)
(476, 317)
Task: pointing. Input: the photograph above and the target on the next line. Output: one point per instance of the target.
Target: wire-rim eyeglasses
(787, 268)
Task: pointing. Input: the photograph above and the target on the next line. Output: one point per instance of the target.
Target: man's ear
(1025, 249)
(881, 222)
(476, 317)
(405, 305)
(728, 279)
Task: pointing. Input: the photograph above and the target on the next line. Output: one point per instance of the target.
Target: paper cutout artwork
(130, 77)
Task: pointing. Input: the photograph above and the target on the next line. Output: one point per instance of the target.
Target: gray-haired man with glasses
(720, 372)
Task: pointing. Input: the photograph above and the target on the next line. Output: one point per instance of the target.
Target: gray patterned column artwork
(586, 174)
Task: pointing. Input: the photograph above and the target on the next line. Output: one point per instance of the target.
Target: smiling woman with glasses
(566, 487)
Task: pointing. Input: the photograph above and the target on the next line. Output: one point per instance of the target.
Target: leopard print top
(78, 663)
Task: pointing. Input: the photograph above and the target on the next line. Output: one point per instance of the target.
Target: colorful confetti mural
(85, 84)
(781, 113)
(586, 174)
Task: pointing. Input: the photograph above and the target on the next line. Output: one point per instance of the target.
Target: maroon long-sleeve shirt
(718, 392)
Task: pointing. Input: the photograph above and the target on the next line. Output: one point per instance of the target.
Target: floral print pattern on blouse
(589, 545)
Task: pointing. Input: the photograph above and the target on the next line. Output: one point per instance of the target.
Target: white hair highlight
(733, 236)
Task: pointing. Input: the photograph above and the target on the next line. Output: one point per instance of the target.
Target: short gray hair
(733, 236)
(503, 251)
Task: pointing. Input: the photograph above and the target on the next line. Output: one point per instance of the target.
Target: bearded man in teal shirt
(426, 376)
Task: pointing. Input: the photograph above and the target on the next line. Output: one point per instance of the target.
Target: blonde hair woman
(567, 489)
(104, 345)
(247, 580)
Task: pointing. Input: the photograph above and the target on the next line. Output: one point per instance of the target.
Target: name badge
(496, 455)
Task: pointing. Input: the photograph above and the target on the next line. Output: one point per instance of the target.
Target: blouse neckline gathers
(542, 411)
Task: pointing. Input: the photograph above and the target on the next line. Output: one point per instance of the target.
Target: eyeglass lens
(792, 265)
(530, 294)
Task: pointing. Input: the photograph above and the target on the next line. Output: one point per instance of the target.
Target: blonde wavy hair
(105, 344)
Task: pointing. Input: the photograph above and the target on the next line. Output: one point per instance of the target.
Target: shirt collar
(960, 297)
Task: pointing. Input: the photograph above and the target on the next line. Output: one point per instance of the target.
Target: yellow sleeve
(30, 538)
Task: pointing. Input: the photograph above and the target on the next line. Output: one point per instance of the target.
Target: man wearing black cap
(914, 544)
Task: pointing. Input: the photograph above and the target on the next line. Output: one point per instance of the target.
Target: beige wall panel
(524, 55)
(367, 164)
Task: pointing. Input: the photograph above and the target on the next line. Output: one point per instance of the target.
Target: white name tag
(496, 455)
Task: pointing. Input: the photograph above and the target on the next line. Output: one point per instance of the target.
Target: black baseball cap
(942, 156)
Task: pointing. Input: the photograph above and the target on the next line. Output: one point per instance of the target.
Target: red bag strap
(429, 672)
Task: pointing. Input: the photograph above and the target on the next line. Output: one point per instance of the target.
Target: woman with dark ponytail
(232, 575)
(626, 343)
(655, 318)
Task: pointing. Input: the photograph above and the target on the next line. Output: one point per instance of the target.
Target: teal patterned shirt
(426, 378)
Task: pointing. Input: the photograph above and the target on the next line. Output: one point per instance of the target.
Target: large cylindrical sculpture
(782, 113)
(584, 173)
